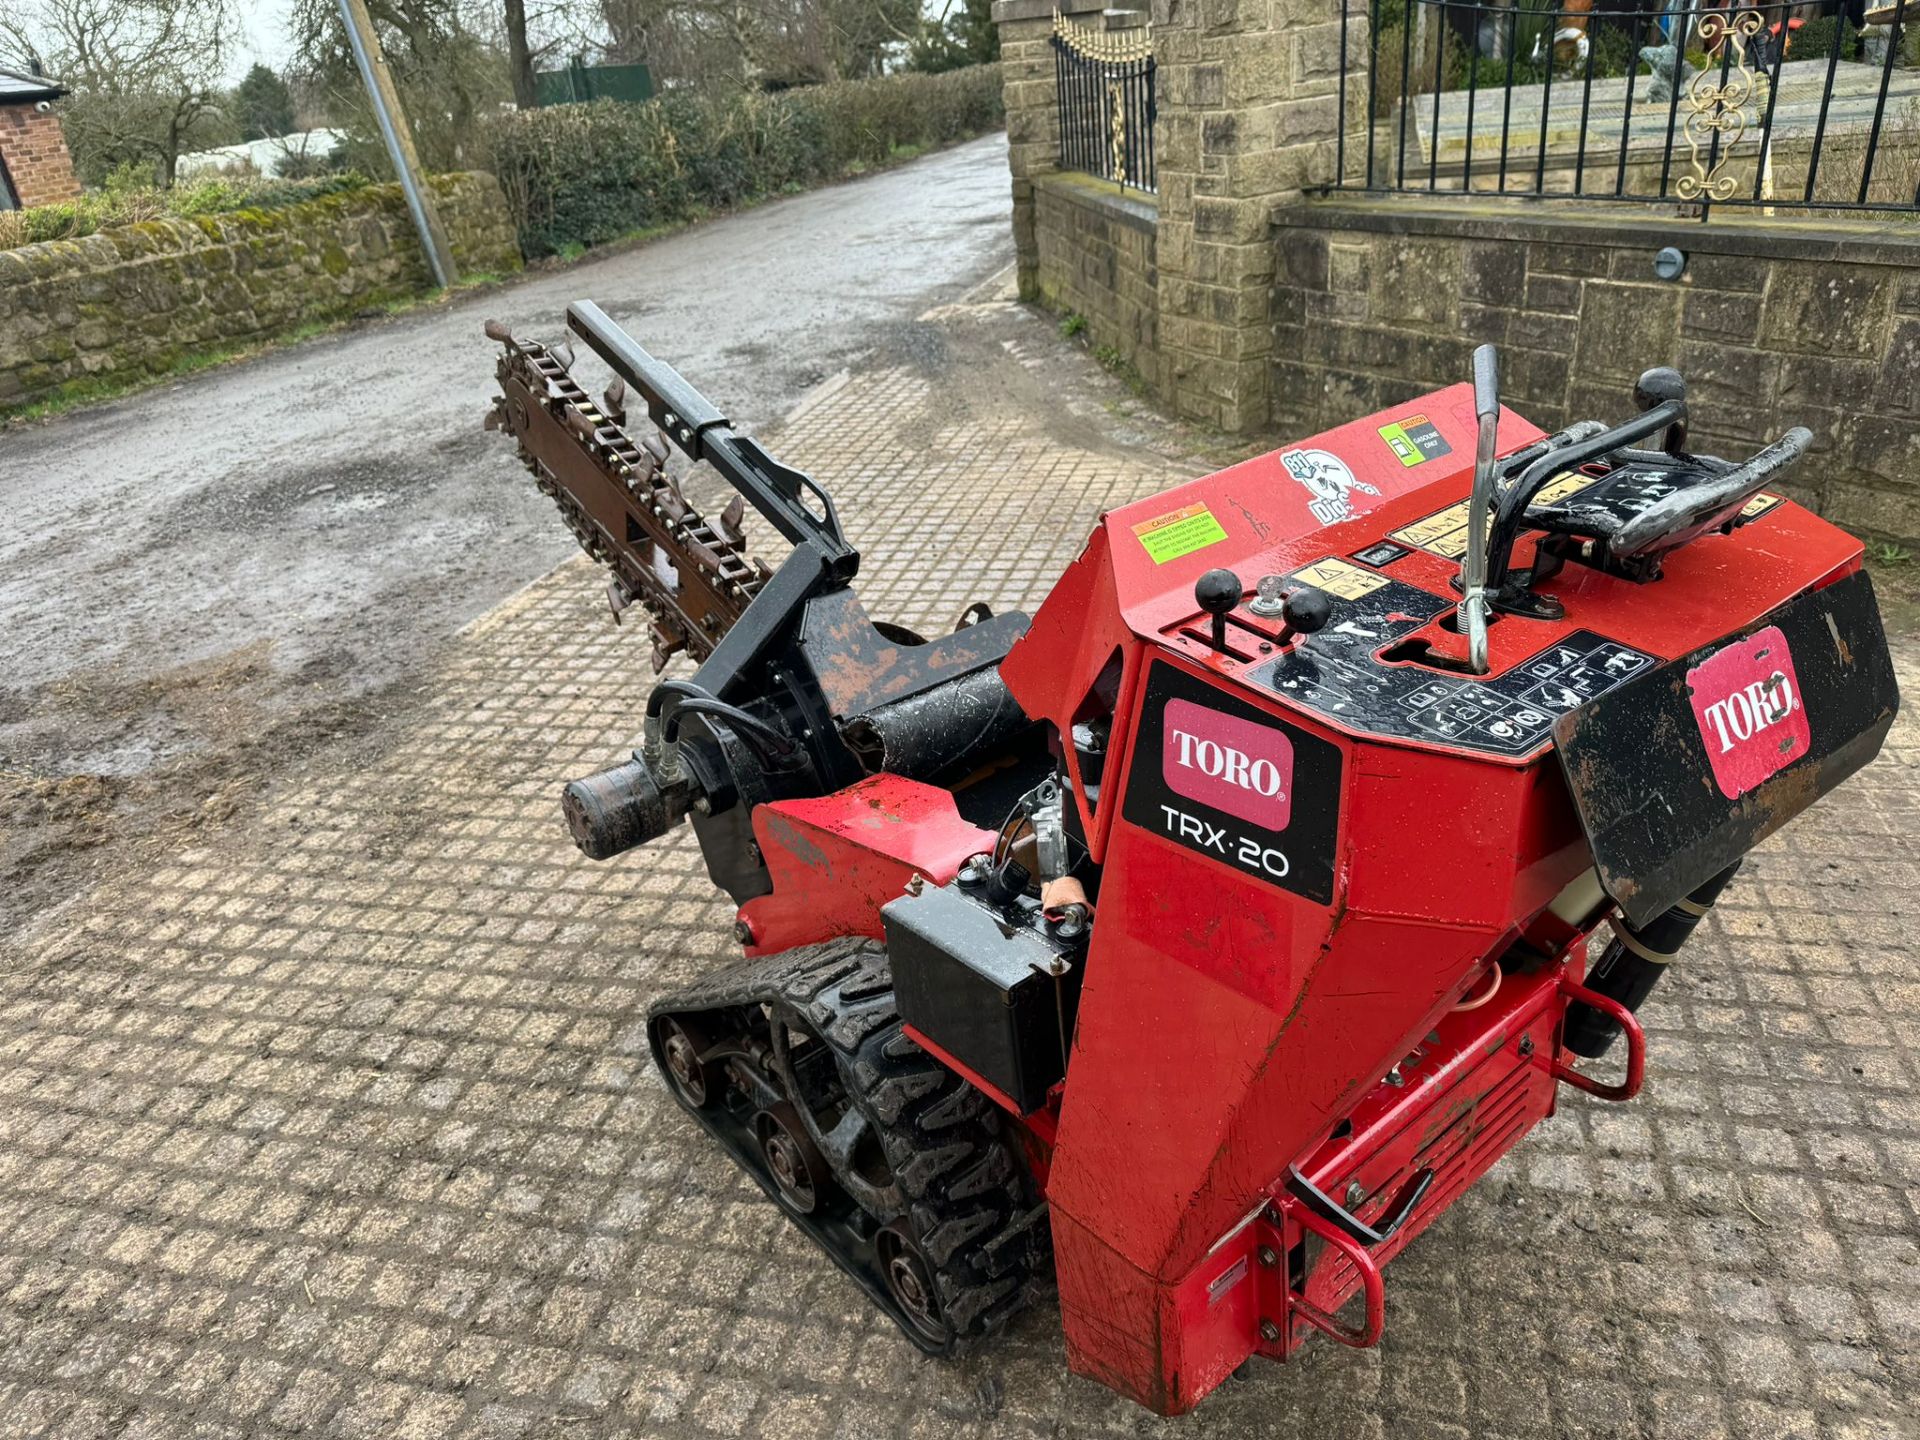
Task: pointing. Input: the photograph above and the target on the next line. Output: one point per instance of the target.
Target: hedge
(578, 175)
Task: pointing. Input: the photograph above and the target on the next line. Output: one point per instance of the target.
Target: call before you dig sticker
(1179, 532)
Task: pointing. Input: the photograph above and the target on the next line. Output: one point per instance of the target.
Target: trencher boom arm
(696, 426)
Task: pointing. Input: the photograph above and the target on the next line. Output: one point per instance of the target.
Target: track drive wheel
(800, 1172)
(910, 1281)
(699, 1083)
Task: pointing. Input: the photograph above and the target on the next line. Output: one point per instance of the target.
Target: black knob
(1305, 611)
(1658, 385)
(1218, 593)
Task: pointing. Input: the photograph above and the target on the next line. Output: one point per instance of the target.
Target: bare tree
(446, 56)
(520, 55)
(144, 74)
(760, 43)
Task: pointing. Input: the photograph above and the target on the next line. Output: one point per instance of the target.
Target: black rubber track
(957, 1180)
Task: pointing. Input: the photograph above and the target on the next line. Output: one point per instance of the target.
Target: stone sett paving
(345, 1125)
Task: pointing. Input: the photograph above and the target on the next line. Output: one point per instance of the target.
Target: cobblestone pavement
(344, 1124)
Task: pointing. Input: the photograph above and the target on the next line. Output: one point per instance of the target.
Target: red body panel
(1232, 1025)
(837, 859)
(1227, 1024)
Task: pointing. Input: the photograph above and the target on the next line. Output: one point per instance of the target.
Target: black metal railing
(1690, 103)
(1105, 102)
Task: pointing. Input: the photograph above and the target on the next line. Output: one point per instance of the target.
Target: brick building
(35, 168)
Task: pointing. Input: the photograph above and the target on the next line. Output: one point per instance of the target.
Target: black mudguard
(1659, 784)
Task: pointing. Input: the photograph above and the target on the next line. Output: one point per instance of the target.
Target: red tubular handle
(1636, 1046)
(1369, 1273)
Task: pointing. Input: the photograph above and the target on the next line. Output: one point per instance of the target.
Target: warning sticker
(1339, 579)
(1759, 505)
(1444, 533)
(1567, 482)
(1179, 532)
(1415, 440)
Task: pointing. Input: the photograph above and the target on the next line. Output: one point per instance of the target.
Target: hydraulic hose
(1633, 963)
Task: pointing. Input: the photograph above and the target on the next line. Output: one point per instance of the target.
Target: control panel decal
(1335, 674)
(1216, 776)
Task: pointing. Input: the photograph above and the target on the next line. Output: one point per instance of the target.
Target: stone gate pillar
(1248, 117)
(1033, 136)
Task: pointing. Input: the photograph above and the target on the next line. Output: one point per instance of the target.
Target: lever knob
(1305, 611)
(1658, 385)
(1218, 593)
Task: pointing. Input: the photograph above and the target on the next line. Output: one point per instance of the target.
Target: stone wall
(1773, 322)
(138, 298)
(34, 150)
(1095, 257)
(1033, 135)
(1249, 113)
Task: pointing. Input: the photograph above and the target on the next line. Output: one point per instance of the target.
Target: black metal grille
(1773, 111)
(1106, 111)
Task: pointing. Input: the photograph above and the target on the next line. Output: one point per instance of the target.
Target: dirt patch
(125, 769)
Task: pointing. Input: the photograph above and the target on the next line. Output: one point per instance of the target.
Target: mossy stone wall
(136, 299)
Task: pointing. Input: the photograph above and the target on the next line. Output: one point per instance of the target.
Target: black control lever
(1218, 593)
(1304, 612)
(1663, 394)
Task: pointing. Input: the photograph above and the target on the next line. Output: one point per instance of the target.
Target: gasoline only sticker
(1179, 532)
(1415, 440)
(1214, 775)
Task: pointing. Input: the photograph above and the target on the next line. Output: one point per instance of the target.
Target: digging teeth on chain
(956, 1208)
(712, 553)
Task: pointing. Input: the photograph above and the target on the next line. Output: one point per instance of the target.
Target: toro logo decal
(1233, 765)
(1747, 702)
(1328, 480)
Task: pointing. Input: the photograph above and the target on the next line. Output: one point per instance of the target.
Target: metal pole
(392, 118)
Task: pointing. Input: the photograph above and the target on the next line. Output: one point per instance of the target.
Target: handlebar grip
(1486, 381)
(1671, 521)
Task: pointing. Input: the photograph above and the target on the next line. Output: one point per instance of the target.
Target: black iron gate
(1104, 81)
(1701, 102)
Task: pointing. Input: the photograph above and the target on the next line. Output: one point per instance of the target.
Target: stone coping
(1009, 11)
(1133, 207)
(1865, 241)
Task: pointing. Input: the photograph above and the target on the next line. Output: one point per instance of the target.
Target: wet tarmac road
(309, 524)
